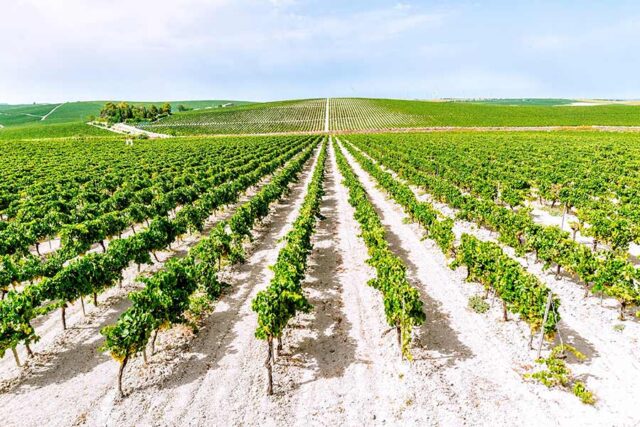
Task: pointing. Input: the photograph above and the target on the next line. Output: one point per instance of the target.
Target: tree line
(124, 112)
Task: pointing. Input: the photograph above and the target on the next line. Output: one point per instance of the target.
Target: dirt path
(612, 366)
(493, 129)
(420, 130)
(337, 354)
(125, 129)
(51, 112)
(326, 117)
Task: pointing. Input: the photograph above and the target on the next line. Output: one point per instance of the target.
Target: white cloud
(255, 49)
(65, 44)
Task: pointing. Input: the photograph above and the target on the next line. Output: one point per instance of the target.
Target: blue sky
(67, 50)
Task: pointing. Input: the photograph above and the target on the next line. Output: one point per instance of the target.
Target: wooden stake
(544, 321)
(84, 313)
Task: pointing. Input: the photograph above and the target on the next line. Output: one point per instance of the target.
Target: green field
(523, 101)
(13, 115)
(470, 114)
(53, 130)
(21, 114)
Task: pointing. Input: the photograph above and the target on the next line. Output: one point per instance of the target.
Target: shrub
(478, 304)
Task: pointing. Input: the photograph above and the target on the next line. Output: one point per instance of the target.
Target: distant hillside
(344, 114)
(52, 130)
(280, 116)
(524, 101)
(379, 114)
(13, 115)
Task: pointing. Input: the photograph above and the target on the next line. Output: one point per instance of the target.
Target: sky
(259, 50)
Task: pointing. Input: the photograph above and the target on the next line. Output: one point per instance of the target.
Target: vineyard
(338, 279)
(286, 116)
(320, 115)
(361, 114)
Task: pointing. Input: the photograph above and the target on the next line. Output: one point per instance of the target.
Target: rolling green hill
(68, 119)
(298, 115)
(13, 115)
(310, 115)
(426, 113)
(20, 114)
(379, 114)
(52, 130)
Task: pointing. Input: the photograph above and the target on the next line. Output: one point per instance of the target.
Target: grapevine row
(609, 273)
(15, 270)
(521, 292)
(165, 300)
(593, 177)
(124, 207)
(402, 304)
(284, 297)
(43, 204)
(96, 271)
(358, 113)
(301, 116)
